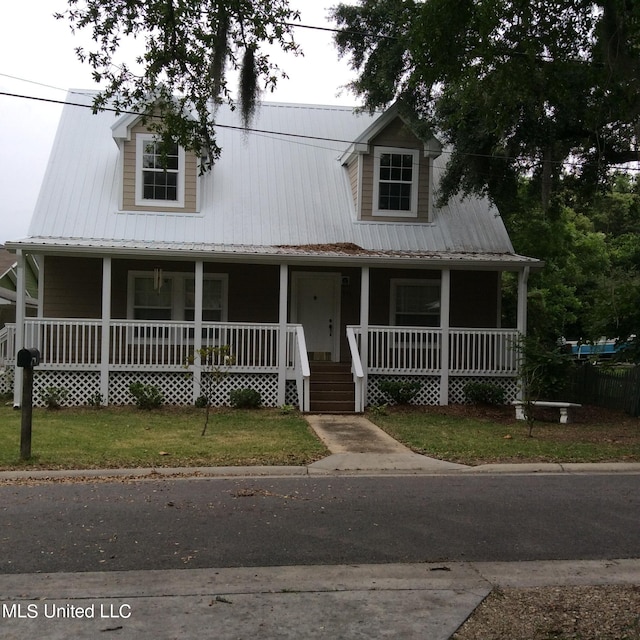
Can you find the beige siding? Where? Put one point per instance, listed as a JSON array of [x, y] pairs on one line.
[[397, 134], [474, 299], [73, 287], [353, 180], [129, 178]]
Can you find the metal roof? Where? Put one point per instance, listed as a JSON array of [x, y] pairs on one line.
[[269, 194]]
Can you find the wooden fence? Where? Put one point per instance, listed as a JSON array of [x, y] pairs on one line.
[[615, 387]]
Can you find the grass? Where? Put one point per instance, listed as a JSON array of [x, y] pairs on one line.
[[86, 438], [475, 435], [122, 437]]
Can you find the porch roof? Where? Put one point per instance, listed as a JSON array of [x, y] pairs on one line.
[[335, 253]]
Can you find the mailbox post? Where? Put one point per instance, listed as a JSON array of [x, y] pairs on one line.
[[27, 359]]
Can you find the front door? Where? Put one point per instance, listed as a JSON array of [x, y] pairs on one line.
[[316, 306]]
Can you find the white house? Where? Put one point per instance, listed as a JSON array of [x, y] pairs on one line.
[[314, 249]]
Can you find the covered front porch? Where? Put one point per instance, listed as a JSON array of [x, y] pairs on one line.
[[270, 325]]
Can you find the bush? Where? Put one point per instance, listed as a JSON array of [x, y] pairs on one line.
[[484, 393], [399, 391], [147, 396], [95, 400], [245, 398], [202, 402], [53, 397]]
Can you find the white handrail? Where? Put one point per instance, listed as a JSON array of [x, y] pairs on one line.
[[305, 370], [357, 369]]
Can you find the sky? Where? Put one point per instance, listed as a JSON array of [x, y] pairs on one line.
[[37, 59]]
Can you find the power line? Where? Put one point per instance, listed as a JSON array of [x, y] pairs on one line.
[[271, 133]]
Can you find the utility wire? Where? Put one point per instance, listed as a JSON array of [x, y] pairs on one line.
[[267, 132]]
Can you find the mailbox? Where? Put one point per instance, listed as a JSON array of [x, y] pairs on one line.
[[28, 358]]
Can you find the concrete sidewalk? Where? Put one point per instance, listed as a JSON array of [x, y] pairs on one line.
[[366, 601]]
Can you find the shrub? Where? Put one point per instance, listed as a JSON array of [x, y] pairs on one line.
[[245, 398], [202, 401], [484, 393], [53, 397], [147, 396], [399, 391], [95, 400]]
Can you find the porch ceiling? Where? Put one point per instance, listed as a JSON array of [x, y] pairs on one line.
[[337, 253]]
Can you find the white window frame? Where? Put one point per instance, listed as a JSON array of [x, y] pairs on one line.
[[141, 140], [393, 297], [178, 290], [413, 211]]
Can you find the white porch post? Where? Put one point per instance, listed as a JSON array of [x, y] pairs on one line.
[[523, 278], [21, 302], [445, 305], [106, 329], [40, 259], [197, 328], [364, 332], [282, 332]]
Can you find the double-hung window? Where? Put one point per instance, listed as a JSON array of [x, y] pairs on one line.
[[159, 173], [415, 303], [171, 296], [395, 188]]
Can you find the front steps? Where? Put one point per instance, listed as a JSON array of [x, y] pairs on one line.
[[331, 388]]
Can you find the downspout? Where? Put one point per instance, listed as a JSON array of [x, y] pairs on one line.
[[282, 330], [106, 329], [523, 279], [364, 335], [197, 328], [445, 306]]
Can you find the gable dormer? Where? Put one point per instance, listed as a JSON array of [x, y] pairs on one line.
[[151, 181], [391, 172]]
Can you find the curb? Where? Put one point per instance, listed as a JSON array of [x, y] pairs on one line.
[[157, 473]]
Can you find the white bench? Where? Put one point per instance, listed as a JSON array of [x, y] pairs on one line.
[[563, 406]]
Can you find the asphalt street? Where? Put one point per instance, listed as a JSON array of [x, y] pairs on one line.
[[224, 522]]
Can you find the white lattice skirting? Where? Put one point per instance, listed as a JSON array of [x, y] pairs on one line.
[[429, 393], [175, 386], [6, 381]]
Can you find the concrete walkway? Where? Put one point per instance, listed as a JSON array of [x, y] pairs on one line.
[[356, 444]]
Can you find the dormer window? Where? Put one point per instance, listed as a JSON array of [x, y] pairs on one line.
[[395, 189], [159, 177]]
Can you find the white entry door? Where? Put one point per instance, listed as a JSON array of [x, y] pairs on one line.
[[316, 306]]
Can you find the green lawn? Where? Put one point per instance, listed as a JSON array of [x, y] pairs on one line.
[[475, 435], [88, 438]]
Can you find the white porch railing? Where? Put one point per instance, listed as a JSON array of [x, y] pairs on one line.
[[7, 345], [418, 350]]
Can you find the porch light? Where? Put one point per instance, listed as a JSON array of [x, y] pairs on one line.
[[157, 278]]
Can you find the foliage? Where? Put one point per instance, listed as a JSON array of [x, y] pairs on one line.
[[544, 373], [95, 400], [286, 409], [186, 52], [483, 393], [146, 396], [245, 398], [400, 391], [517, 87], [53, 397]]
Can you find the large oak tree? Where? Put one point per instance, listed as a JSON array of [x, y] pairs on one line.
[[517, 87]]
